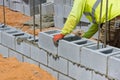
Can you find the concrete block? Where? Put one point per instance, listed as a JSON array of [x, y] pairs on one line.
[[98, 77], [47, 8], [92, 57], [58, 21], [84, 19], [63, 77], [59, 2], [113, 67], [70, 47], [26, 59], [79, 73], [4, 51], [16, 55], [59, 10], [67, 10], [23, 47], [9, 36], [38, 55], [72, 1], [68, 2], [46, 41], [49, 70], [58, 64], [1, 2]]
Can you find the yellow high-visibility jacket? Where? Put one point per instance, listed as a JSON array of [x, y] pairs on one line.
[[91, 8]]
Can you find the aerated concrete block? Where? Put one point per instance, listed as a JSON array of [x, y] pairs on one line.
[[16, 55], [67, 10], [97, 59], [98, 77], [79, 73], [26, 59], [114, 67], [49, 70], [70, 47], [4, 51], [58, 64], [63, 77], [38, 54], [46, 41]]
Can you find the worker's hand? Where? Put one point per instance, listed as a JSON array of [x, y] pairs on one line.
[[57, 37], [78, 32]]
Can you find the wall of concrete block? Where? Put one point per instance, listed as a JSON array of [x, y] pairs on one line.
[[65, 62]]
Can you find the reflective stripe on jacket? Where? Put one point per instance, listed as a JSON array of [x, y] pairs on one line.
[[91, 8]]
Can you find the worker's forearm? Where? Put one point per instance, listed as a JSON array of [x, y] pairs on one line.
[[69, 25], [92, 30]]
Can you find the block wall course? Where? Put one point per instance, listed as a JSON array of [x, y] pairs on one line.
[[38, 54], [91, 58], [4, 51]]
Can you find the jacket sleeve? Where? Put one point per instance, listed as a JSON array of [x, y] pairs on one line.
[[92, 30], [74, 16]]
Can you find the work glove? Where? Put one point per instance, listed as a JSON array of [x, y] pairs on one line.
[[56, 38]]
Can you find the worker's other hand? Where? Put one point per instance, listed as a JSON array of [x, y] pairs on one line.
[[57, 37], [78, 32]]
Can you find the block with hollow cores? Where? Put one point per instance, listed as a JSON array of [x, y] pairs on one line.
[[47, 8], [59, 10], [46, 41], [98, 77], [8, 37], [58, 21], [60, 2], [68, 2], [79, 73], [58, 64], [16, 55], [4, 51], [67, 10], [113, 67], [38, 54], [64, 77], [70, 47], [97, 59], [23, 47], [29, 60], [49, 70]]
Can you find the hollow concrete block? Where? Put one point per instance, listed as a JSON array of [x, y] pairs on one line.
[[49, 70], [79, 73], [4, 51], [16, 55], [63, 77], [113, 67], [58, 64], [26, 59], [67, 10], [97, 59], [38, 54], [70, 47], [46, 41], [98, 77]]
